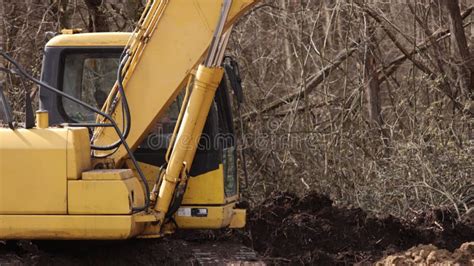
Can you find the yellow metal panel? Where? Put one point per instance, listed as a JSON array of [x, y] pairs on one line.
[[108, 174], [33, 171], [78, 153], [45, 227], [206, 189], [150, 171], [238, 219], [111, 197], [145, 218], [111, 39]]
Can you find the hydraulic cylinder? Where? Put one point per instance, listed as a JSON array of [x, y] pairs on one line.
[[204, 89]]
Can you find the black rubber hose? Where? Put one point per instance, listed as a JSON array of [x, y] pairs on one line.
[[126, 113], [23, 73]]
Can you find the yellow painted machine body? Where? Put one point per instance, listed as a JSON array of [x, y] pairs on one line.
[[49, 191], [36, 166], [49, 188]]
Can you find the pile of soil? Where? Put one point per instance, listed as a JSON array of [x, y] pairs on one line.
[[311, 230], [431, 255]]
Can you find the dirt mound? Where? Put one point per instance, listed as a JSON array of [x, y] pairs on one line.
[[312, 230], [431, 255]]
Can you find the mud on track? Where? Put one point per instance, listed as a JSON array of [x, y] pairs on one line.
[[284, 229]]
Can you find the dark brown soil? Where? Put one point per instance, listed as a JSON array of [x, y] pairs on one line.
[[311, 230], [136, 252], [284, 229]]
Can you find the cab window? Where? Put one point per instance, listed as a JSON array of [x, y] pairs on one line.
[[88, 77]]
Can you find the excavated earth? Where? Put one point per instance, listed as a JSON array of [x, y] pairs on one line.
[[284, 229], [311, 230], [431, 255]]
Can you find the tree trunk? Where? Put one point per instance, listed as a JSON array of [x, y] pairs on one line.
[[2, 37], [462, 54], [286, 37], [97, 16], [132, 9], [372, 83], [64, 14]]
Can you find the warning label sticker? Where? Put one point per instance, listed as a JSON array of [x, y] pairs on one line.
[[193, 212], [184, 212]]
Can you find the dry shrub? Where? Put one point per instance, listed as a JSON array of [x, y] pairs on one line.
[[419, 156]]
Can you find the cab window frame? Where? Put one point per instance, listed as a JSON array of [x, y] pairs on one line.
[[62, 68]]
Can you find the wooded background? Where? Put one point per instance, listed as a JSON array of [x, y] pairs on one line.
[[370, 102]]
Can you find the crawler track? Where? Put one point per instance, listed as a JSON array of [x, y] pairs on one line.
[[139, 252]]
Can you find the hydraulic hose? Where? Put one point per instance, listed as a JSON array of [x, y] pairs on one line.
[[127, 123]]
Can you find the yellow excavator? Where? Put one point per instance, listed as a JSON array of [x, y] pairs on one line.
[[134, 137]]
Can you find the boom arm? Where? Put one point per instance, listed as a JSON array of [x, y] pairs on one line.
[[171, 40]]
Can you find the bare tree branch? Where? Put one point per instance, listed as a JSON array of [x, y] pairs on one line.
[[311, 83]]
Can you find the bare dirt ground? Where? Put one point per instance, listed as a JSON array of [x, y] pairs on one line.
[[311, 230], [136, 252], [284, 229]]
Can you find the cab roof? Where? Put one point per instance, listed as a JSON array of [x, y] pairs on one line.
[[103, 39]]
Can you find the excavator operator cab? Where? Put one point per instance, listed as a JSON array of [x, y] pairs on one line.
[[85, 66]]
